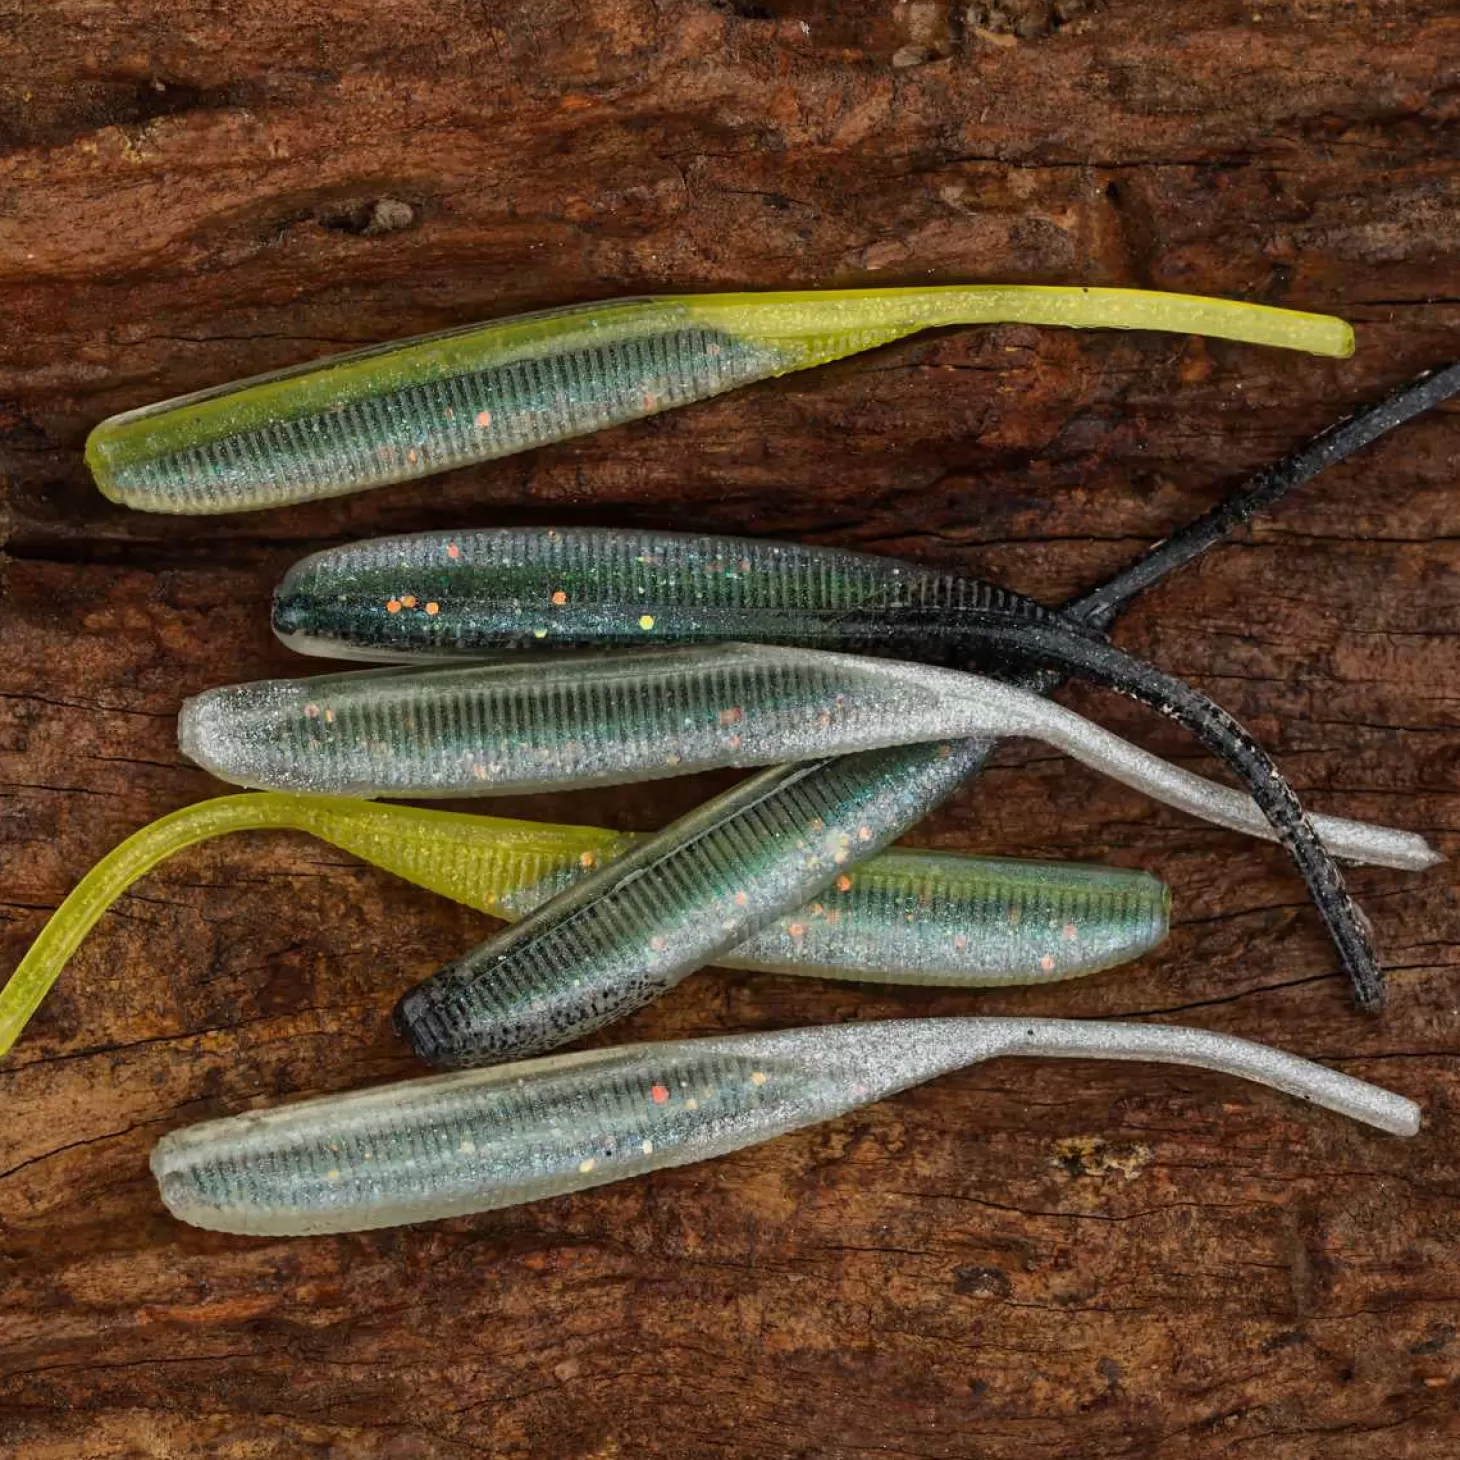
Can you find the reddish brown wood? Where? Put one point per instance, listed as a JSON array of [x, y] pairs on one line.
[[1023, 1262]]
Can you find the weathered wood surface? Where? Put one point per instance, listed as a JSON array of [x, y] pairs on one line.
[[1021, 1261]]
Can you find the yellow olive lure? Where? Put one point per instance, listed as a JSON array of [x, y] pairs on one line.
[[901, 917], [394, 412]]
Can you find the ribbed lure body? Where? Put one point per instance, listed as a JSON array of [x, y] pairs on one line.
[[570, 720], [441, 594], [580, 720], [902, 917], [629, 931], [471, 1142], [393, 412]]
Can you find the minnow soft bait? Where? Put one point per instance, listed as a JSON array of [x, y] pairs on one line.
[[470, 1142], [902, 917], [407, 409]]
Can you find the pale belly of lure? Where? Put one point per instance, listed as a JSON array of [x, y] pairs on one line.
[[474, 1141], [901, 917], [409, 408]]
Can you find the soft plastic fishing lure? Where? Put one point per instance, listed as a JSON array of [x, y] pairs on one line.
[[744, 703], [904, 916], [455, 1144], [760, 829], [402, 410], [580, 720]]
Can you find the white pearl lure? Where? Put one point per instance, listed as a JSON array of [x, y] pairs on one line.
[[590, 719], [476, 1140]]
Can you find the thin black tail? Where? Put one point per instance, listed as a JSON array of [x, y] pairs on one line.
[[1098, 608]]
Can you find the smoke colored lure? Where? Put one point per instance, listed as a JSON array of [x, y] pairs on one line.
[[580, 720], [763, 825], [903, 917], [398, 411], [470, 1142]]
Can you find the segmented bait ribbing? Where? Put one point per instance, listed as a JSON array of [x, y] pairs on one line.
[[470, 1142], [406, 409], [902, 917], [580, 720], [618, 939], [475, 592]]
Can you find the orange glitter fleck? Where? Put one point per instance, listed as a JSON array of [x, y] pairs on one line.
[[393, 606], [560, 598], [844, 883], [413, 456], [433, 609], [1047, 963], [732, 716], [659, 1094], [484, 419], [586, 859], [409, 601], [797, 930], [452, 550], [741, 899]]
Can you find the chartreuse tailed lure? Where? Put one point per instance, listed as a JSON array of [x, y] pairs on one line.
[[469, 1142], [902, 917], [397, 411]]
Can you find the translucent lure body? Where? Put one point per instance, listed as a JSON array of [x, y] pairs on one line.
[[580, 720], [611, 719], [903, 917], [406, 409], [471, 1142]]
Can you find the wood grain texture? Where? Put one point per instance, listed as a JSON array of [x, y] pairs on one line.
[[1021, 1262]]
